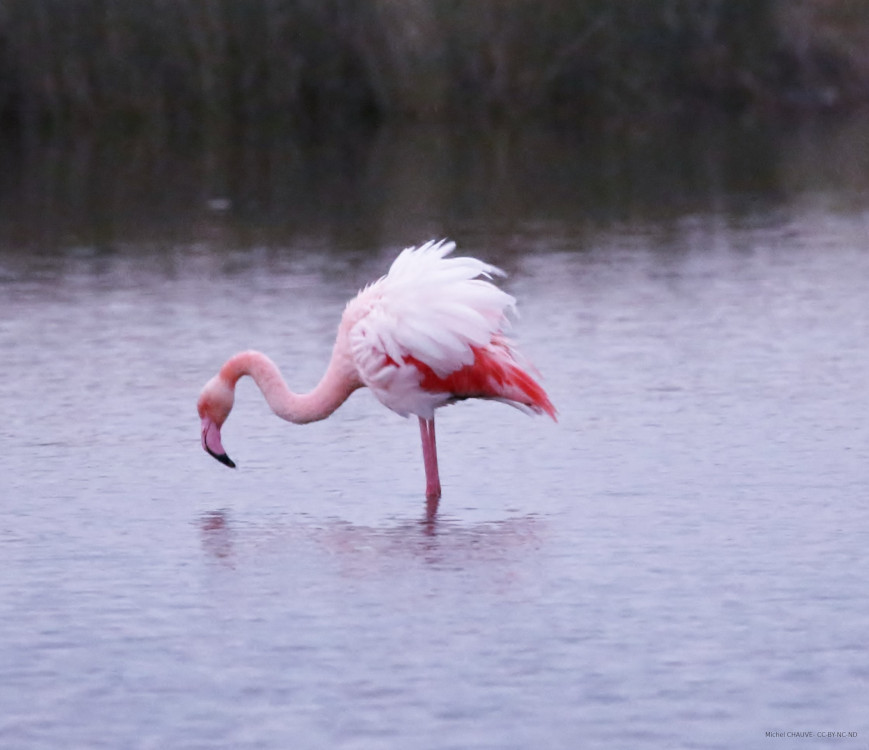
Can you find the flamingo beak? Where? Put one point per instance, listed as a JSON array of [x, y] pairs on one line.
[[211, 442]]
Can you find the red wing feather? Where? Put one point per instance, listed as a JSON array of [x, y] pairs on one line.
[[493, 374]]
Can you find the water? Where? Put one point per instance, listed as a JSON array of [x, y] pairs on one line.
[[679, 562]]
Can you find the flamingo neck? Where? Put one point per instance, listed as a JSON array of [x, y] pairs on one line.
[[337, 383]]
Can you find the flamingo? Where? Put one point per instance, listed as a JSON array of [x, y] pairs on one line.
[[431, 332]]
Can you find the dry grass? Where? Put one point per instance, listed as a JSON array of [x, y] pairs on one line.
[[193, 65]]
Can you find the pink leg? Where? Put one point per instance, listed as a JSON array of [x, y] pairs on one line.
[[430, 458]]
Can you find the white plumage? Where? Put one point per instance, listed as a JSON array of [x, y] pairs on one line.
[[430, 308]]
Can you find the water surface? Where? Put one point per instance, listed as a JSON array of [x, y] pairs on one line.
[[680, 561]]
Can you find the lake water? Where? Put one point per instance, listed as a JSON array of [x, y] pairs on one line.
[[680, 561]]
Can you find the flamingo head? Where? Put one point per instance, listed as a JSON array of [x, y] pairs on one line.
[[215, 403]]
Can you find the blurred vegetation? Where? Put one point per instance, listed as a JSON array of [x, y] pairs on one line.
[[182, 66]]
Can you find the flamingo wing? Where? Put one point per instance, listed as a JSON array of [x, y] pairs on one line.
[[496, 373], [432, 331]]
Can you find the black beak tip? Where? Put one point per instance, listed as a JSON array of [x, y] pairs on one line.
[[223, 458]]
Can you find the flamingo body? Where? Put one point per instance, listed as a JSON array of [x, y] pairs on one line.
[[430, 332]]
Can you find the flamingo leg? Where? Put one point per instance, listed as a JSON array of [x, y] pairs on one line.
[[430, 459]]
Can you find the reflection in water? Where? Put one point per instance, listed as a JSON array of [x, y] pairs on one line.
[[216, 535], [359, 549], [431, 512], [101, 194]]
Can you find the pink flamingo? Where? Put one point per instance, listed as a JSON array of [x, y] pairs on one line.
[[429, 333]]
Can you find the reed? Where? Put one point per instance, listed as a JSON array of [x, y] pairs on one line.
[[190, 65]]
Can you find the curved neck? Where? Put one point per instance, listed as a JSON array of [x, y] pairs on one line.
[[337, 383]]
